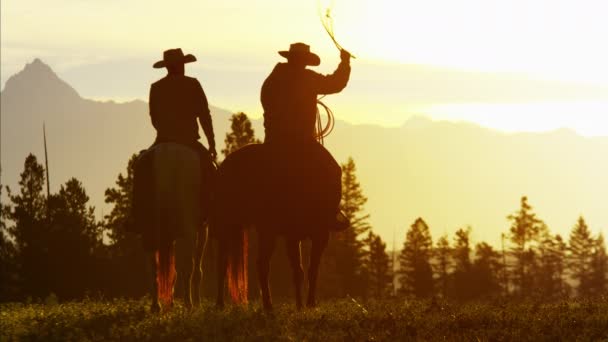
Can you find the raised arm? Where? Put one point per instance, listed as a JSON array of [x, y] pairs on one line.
[[334, 83], [204, 117]]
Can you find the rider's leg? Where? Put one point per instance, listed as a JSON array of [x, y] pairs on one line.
[[330, 191]]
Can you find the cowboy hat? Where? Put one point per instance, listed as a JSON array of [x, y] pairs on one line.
[[174, 56], [301, 51]]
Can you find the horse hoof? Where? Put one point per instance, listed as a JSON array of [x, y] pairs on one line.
[[155, 307]]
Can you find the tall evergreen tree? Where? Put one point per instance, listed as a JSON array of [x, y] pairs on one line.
[[549, 266], [29, 229], [525, 230], [377, 267], [345, 251], [443, 264], [8, 261], [581, 247], [599, 267], [73, 243], [486, 271], [462, 265], [241, 133], [415, 273]]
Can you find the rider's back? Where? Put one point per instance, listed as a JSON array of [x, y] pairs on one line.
[[289, 97], [175, 104]]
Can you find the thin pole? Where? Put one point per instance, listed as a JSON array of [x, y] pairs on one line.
[[504, 264], [393, 265], [46, 163]]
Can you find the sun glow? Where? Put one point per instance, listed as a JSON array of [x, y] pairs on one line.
[[551, 39]]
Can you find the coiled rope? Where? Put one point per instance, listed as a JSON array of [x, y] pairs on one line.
[[322, 132]]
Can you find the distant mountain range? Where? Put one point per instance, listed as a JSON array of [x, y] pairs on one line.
[[451, 174]]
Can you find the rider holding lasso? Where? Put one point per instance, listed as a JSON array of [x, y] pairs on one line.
[[289, 98]]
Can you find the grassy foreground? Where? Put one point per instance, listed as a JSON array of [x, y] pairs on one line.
[[345, 320]]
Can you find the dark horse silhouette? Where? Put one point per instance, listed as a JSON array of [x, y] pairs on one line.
[[252, 189]]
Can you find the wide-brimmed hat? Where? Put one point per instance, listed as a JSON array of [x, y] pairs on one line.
[[174, 57], [302, 52]]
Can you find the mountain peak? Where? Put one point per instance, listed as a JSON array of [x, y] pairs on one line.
[[37, 66], [37, 82]]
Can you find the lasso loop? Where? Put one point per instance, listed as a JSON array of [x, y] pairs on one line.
[[322, 132]]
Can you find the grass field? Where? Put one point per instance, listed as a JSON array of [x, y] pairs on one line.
[[344, 320]]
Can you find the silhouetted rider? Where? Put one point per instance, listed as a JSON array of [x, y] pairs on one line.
[[289, 98], [289, 94], [176, 102]]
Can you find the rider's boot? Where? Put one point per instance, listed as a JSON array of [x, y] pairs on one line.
[[339, 222]]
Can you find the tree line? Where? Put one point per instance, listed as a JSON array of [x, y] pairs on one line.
[[53, 245]]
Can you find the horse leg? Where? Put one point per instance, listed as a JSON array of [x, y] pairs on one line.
[[155, 306], [318, 246], [222, 267], [295, 260], [197, 266], [185, 252], [267, 244]]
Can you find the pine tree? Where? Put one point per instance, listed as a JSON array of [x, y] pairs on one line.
[[29, 229], [117, 222], [581, 256], [525, 230], [549, 268], [241, 133], [443, 264], [486, 271], [599, 267], [377, 266], [462, 265], [345, 251], [415, 273], [560, 253], [74, 242], [8, 262]]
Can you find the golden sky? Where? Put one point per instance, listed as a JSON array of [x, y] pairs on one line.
[[512, 65]]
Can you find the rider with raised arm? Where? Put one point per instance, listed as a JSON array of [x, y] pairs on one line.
[[289, 98]]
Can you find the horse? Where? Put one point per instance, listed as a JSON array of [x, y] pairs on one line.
[[168, 198], [253, 189]]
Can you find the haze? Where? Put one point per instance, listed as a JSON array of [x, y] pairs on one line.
[[513, 66], [516, 66]]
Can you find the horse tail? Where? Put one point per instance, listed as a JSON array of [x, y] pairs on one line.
[[165, 273], [238, 246]]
